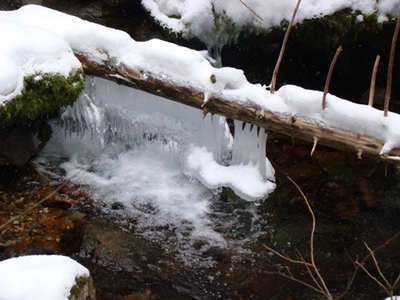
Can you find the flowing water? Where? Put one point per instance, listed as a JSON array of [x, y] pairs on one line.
[[161, 228]]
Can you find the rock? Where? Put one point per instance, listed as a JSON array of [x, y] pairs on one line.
[[83, 289], [115, 249], [19, 144]]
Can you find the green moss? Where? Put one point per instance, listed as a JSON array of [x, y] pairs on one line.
[[343, 27], [41, 95], [76, 289]]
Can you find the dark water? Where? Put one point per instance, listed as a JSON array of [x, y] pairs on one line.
[[349, 211]]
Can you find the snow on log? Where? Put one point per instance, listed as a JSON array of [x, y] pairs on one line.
[[292, 125], [186, 76]]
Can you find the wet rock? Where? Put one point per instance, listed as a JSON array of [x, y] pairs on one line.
[[345, 167], [83, 289], [18, 145], [116, 249], [366, 188], [117, 206]]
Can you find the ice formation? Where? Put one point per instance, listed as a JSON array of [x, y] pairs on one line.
[[120, 118], [158, 161]]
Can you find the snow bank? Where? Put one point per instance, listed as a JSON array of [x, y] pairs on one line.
[[39, 277], [27, 50], [200, 18]]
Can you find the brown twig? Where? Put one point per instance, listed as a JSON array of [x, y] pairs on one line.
[[252, 10], [373, 277], [328, 78], [312, 269], [359, 264], [390, 69], [287, 258], [319, 283], [385, 285], [285, 39], [291, 277], [314, 266], [373, 81]]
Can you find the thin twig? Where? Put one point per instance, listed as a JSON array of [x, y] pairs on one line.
[[373, 277], [287, 258], [373, 81], [311, 273], [252, 10], [285, 39], [328, 78], [358, 265], [299, 281], [390, 69], [377, 265], [312, 240]]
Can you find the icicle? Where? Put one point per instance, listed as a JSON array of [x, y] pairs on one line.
[[215, 53], [123, 118]]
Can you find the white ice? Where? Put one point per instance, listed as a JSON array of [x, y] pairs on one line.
[[120, 119], [39, 277], [145, 153]]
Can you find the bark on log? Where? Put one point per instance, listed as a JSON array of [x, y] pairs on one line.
[[296, 127]]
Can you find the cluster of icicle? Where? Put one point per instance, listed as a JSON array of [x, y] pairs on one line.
[[123, 118]]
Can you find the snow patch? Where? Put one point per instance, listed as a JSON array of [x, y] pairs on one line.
[[39, 277]]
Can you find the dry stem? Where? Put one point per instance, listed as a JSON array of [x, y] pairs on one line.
[[385, 285], [328, 78], [319, 283], [252, 10], [312, 269], [390, 69], [285, 39], [373, 80]]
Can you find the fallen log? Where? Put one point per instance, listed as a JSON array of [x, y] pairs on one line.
[[296, 127]]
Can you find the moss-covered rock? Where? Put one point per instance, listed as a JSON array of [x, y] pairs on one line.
[[343, 27], [83, 289], [41, 95]]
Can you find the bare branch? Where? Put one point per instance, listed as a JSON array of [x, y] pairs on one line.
[[390, 69], [312, 240], [285, 39], [328, 78], [377, 265], [249, 8], [372, 277], [373, 81], [287, 258], [299, 281]]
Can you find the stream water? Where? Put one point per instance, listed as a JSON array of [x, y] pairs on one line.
[[159, 232]]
